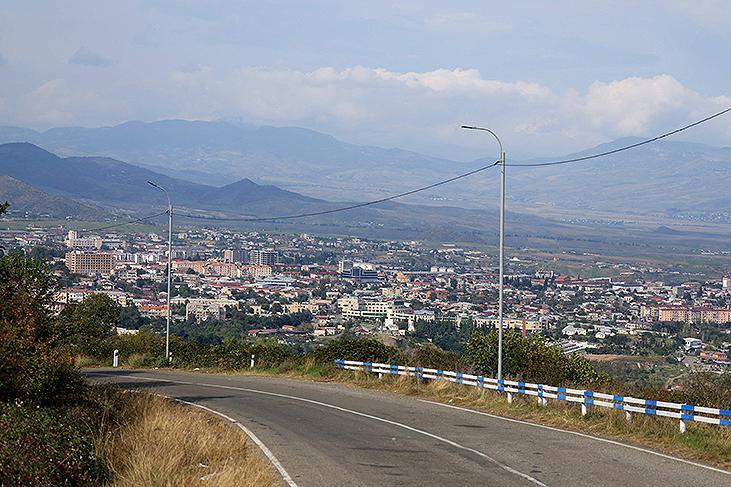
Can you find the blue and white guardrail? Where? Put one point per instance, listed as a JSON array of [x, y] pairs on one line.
[[682, 412]]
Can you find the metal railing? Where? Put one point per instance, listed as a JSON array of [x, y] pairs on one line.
[[681, 412]]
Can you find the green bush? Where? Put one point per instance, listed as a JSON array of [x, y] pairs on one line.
[[431, 356], [232, 354], [705, 389], [142, 343], [361, 349], [531, 359], [56, 445]]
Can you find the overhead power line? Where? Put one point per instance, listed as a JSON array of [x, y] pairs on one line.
[[430, 186], [626, 147], [467, 174], [136, 220], [344, 208]]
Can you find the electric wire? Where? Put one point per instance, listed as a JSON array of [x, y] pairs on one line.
[[430, 186], [626, 147], [344, 208], [136, 220]]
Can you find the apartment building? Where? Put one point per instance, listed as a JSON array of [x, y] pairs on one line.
[[688, 314], [89, 263], [517, 324], [354, 307], [264, 257]]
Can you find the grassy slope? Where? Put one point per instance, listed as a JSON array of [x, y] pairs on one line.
[[164, 443]]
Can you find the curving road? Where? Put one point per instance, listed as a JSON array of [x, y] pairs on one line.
[[332, 435]]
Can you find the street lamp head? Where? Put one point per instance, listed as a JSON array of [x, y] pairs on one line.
[[153, 184], [484, 129]]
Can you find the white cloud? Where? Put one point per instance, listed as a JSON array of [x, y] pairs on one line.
[[56, 102], [416, 110], [376, 105]]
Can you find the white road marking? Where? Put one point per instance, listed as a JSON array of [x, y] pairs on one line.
[[357, 413], [584, 435], [285, 476]]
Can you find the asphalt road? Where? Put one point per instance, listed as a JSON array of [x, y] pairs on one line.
[[334, 435]]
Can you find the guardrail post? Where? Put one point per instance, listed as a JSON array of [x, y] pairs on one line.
[[584, 410], [115, 360], [683, 426], [251, 362], [510, 398]]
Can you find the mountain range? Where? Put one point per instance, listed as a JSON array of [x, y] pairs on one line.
[[46, 184], [664, 180]]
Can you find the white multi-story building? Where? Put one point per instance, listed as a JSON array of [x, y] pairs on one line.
[[354, 307], [234, 256], [89, 243], [264, 257], [517, 324]]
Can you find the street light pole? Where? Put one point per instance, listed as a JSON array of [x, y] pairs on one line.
[[170, 268], [502, 248]]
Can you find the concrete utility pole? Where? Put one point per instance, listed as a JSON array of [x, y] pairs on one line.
[[170, 268], [502, 247]]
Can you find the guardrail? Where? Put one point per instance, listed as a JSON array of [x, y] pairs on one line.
[[682, 412]]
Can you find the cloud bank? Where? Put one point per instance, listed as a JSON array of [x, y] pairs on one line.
[[418, 110]]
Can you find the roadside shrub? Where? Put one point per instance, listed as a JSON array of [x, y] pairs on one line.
[[531, 359], [362, 349], [232, 354], [137, 360], [705, 389], [142, 343], [82, 361], [57, 445], [431, 356]]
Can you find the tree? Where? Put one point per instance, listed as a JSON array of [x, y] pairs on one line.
[[130, 317], [35, 364], [96, 316], [529, 358]]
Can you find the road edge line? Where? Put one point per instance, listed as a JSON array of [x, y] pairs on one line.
[[266, 451], [499, 464], [584, 435]]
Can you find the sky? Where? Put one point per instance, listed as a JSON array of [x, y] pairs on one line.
[[550, 77]]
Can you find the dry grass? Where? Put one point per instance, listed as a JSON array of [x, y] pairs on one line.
[[81, 361], [165, 444], [136, 360]]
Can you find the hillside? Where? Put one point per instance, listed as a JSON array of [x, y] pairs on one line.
[[217, 152], [117, 184], [666, 180], [26, 199], [122, 188]]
